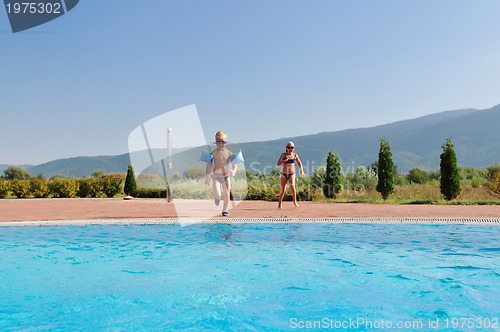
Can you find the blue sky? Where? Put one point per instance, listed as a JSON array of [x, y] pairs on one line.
[[260, 70]]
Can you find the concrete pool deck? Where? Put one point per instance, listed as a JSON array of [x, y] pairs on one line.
[[117, 210]]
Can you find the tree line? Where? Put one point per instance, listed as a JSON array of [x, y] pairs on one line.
[[386, 171], [328, 181]]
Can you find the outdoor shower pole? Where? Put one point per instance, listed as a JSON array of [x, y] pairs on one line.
[[169, 164]]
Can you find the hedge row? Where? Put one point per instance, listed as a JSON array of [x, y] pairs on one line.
[[106, 186], [259, 187]]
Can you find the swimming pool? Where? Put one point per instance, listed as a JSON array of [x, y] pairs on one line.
[[249, 277]]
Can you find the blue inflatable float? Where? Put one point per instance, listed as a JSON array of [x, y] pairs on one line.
[[207, 157], [237, 157]]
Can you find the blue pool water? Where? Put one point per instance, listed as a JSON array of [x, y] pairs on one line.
[[249, 277]]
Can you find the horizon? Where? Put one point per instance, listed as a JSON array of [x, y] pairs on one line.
[[79, 85], [237, 143]]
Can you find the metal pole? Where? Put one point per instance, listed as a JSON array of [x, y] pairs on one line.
[[169, 164]]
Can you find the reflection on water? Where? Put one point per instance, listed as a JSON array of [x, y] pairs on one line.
[[218, 232]]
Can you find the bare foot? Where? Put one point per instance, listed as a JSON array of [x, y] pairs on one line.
[[295, 203]]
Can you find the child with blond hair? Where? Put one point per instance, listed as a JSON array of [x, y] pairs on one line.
[[221, 160]]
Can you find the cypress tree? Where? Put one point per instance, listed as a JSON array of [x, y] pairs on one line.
[[450, 179], [130, 187], [385, 170], [333, 177]]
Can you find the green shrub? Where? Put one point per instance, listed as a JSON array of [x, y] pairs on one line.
[[400, 179], [470, 173], [89, 187], [318, 176], [418, 175], [111, 184], [151, 193], [495, 182], [195, 172], [16, 173], [477, 182], [64, 188], [98, 174], [39, 188], [21, 188], [254, 195], [265, 187], [4, 188], [492, 169], [361, 180], [306, 192]]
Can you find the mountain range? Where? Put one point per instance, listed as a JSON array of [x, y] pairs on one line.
[[414, 143]]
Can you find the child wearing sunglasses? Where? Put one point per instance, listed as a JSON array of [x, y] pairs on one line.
[[288, 159], [222, 172]]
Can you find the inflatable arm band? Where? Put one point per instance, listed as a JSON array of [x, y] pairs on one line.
[[209, 158], [206, 157], [237, 158]]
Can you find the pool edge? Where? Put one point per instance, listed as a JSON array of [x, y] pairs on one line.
[[188, 221]]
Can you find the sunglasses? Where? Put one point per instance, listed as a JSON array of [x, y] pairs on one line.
[[290, 147], [220, 142]]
